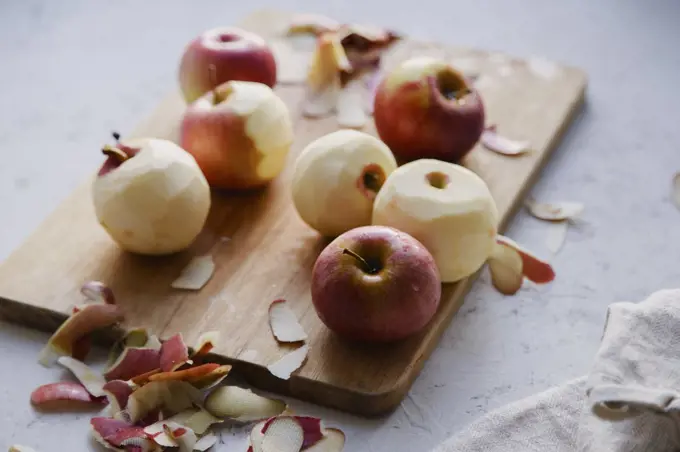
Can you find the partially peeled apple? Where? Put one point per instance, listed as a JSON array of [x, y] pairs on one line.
[[336, 179], [445, 206], [150, 196]]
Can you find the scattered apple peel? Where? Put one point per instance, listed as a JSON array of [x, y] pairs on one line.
[[52, 393], [557, 235], [675, 191], [81, 323], [333, 441], [196, 274], [115, 434], [491, 140], [556, 211], [282, 434], [171, 395], [197, 419], [283, 323], [132, 362], [117, 392], [174, 353], [92, 381], [242, 405], [289, 363], [509, 263], [535, 269], [98, 292], [206, 342], [205, 442]]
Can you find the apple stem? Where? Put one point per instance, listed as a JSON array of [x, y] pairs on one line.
[[363, 261], [114, 152]]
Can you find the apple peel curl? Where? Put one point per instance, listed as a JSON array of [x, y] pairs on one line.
[[117, 392], [93, 381], [115, 434], [510, 263], [557, 235], [491, 140], [172, 395], [283, 323], [80, 324], [555, 211], [242, 405], [289, 363], [189, 374], [197, 419], [206, 342], [196, 274], [132, 363], [53, 393], [283, 434], [174, 353]]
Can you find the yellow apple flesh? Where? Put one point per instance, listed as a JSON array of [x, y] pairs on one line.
[[447, 207]]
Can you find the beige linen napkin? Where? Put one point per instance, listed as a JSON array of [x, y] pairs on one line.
[[630, 401]]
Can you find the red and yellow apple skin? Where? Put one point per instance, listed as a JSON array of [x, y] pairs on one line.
[[425, 109], [222, 54], [240, 135], [394, 299]]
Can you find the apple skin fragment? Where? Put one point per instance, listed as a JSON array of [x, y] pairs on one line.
[[242, 405], [173, 396], [212, 378], [283, 323], [206, 342], [557, 235], [53, 393], [675, 193], [87, 319], [311, 426], [133, 362], [92, 381], [505, 266], [289, 363], [333, 441], [535, 269], [117, 392], [559, 211], [138, 338], [189, 374], [115, 434], [99, 292], [198, 420], [173, 354], [196, 274], [491, 140], [283, 434], [206, 442]]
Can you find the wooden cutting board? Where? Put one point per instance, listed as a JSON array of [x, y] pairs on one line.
[[270, 251]]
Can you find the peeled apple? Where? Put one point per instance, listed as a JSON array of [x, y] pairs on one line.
[[445, 206], [150, 196]]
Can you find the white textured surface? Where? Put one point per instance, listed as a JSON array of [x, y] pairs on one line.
[[74, 70]]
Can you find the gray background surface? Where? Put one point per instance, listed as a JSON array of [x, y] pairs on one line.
[[71, 71]]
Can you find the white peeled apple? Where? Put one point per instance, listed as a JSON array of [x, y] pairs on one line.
[[336, 180], [447, 207], [151, 196]]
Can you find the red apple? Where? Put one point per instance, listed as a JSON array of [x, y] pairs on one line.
[[223, 54], [239, 134], [376, 284], [426, 109]]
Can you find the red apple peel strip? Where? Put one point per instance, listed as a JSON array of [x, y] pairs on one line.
[[92, 381], [289, 363], [61, 391], [283, 323], [535, 269], [114, 434], [132, 363], [206, 342], [174, 353], [212, 378], [98, 292], [117, 392], [192, 373], [88, 319], [242, 405], [556, 211], [505, 266], [491, 140]]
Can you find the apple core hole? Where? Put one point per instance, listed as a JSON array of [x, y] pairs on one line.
[[220, 94], [451, 85], [372, 178], [227, 37], [437, 179]]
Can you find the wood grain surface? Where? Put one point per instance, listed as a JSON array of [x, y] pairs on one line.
[[263, 251]]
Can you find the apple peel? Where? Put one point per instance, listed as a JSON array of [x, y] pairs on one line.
[[132, 363], [556, 211], [351, 104], [197, 419], [311, 426], [557, 235], [284, 325], [505, 266], [120, 435], [117, 392], [212, 378], [196, 274], [675, 192], [333, 441], [61, 391], [289, 363], [282, 434], [205, 442], [206, 342], [80, 324], [189, 374], [137, 338], [242, 405], [491, 140], [535, 269], [173, 354], [174, 396], [99, 292], [92, 381]]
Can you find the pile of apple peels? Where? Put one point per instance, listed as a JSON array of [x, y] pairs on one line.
[[161, 394], [343, 71]]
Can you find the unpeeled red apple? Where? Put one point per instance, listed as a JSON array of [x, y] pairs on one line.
[[151, 196], [336, 179], [447, 207], [239, 134], [222, 54], [425, 109], [375, 283]]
